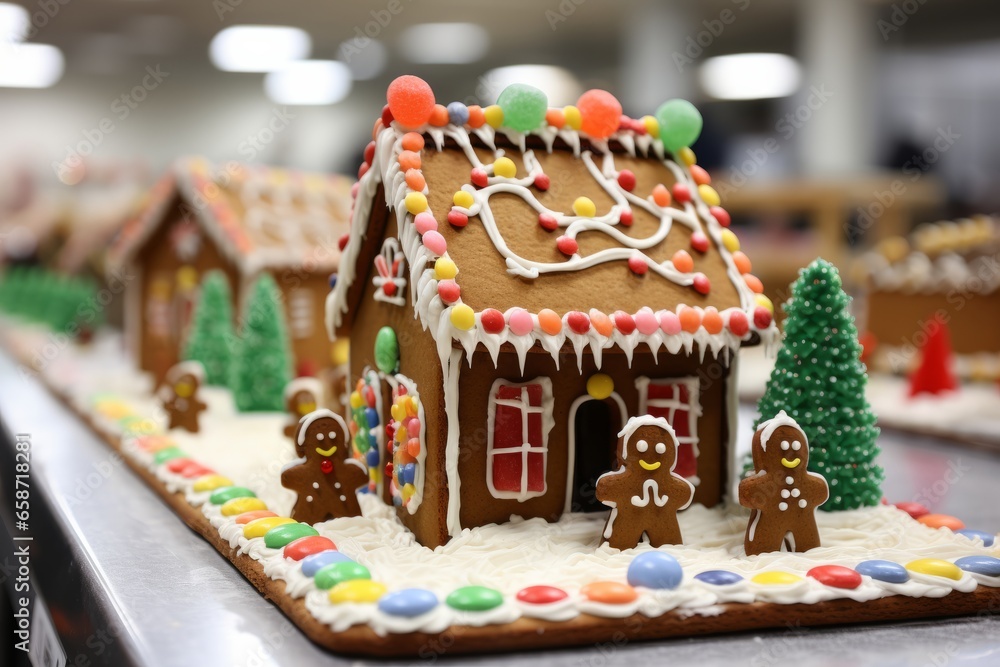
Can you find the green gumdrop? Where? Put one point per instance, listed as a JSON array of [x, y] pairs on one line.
[[386, 350], [523, 107], [474, 598], [680, 124]]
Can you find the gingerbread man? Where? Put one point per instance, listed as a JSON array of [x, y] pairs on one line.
[[179, 394], [302, 396], [644, 494], [326, 478], [782, 494]]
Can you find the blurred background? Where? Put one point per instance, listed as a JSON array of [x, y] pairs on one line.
[[829, 124]]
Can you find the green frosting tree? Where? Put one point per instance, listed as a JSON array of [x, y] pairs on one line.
[[261, 365], [211, 337], [819, 381]]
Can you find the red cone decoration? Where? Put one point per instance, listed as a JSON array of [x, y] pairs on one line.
[[934, 375]]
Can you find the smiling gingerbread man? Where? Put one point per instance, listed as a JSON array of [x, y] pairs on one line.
[[644, 494], [782, 494], [326, 478], [179, 395], [302, 396]]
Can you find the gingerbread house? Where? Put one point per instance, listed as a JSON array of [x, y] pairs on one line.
[[948, 271], [515, 291], [241, 220]]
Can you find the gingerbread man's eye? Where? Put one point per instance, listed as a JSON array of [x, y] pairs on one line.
[[796, 445], [784, 445], [332, 435], [661, 448], [642, 446], [319, 436]]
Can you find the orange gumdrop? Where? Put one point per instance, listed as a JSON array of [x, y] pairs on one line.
[[661, 196], [549, 321], [741, 261], [411, 100], [476, 116], [700, 176], [712, 321], [415, 180], [683, 262], [556, 118], [609, 592], [942, 521], [253, 515], [409, 160], [602, 323], [439, 116], [600, 113], [690, 319], [413, 141], [376, 128], [754, 283]]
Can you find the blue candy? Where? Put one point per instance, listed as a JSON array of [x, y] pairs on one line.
[[987, 538], [313, 564], [985, 565], [883, 570], [372, 457], [655, 569], [719, 577], [409, 473], [333, 280], [458, 113], [408, 602], [371, 415]]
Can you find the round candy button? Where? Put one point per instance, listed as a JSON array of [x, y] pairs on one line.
[[237, 506], [316, 562], [408, 602], [474, 598], [883, 570], [776, 578], [225, 493], [984, 565], [941, 521], [541, 595], [835, 576], [168, 454], [988, 538], [609, 592], [306, 546], [247, 517], [259, 527], [935, 567], [331, 575], [357, 591], [279, 536], [655, 569], [719, 577]]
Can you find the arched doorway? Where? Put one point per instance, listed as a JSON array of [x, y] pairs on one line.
[[593, 443]]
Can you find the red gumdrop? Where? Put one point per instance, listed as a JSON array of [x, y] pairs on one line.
[[307, 546], [449, 291], [179, 464], [638, 265], [492, 321], [720, 214], [386, 116], [682, 193], [934, 375], [761, 317], [600, 113], [738, 323], [701, 283], [626, 217], [915, 510], [326, 465], [626, 179], [541, 594], [835, 576], [363, 169], [567, 245], [388, 469], [479, 178], [578, 322], [699, 242], [624, 322], [389, 288], [411, 100], [457, 219], [542, 182], [548, 222], [342, 241], [370, 152]]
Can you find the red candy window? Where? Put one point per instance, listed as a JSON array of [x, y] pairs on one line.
[[676, 400], [520, 418]]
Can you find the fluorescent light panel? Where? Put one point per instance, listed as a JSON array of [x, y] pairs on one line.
[[30, 66], [750, 76], [14, 23], [444, 43], [560, 85], [309, 82], [258, 48]]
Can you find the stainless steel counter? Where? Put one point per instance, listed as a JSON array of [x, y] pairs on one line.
[[127, 582]]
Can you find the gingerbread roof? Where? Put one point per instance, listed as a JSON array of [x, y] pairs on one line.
[[581, 230], [260, 217]]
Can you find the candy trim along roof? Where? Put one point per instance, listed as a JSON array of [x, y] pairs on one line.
[[393, 159], [302, 213]]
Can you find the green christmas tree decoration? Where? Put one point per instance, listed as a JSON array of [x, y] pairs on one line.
[[211, 337], [261, 366], [819, 380]]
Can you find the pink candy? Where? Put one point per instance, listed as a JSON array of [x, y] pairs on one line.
[[435, 242], [520, 322], [670, 323], [646, 322], [425, 222]]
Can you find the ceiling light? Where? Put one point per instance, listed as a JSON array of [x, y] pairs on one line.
[[750, 76], [31, 66], [367, 61], [258, 48], [14, 23], [558, 84], [444, 43], [309, 82]]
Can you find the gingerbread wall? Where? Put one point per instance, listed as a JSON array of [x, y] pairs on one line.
[[896, 319]]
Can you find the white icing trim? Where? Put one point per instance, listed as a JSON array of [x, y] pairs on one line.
[[571, 431], [522, 405], [390, 254], [308, 419], [188, 367], [450, 369], [768, 428], [309, 384]]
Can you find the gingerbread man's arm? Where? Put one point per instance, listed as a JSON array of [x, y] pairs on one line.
[[611, 485], [753, 492], [355, 474], [817, 490], [680, 492]]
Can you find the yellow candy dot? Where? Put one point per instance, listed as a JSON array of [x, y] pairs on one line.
[[600, 386], [462, 317], [688, 157], [408, 491], [652, 126], [341, 350], [356, 400], [709, 195], [397, 412], [416, 202], [776, 578], [258, 527], [504, 167], [494, 115], [211, 483], [445, 269], [730, 241], [573, 117], [935, 567], [240, 505], [584, 207], [463, 199], [765, 302], [411, 406], [357, 590]]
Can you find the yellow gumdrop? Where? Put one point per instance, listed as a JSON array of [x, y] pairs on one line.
[[397, 412], [211, 483], [341, 350], [709, 195], [408, 491], [411, 407], [573, 117], [494, 115], [776, 578], [584, 207], [730, 241], [463, 317], [258, 527], [688, 157], [445, 269], [652, 126], [401, 433], [765, 302], [600, 386], [935, 567], [416, 202], [236, 506], [356, 400], [463, 199], [504, 167], [357, 590]]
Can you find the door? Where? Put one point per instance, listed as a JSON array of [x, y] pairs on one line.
[[594, 427]]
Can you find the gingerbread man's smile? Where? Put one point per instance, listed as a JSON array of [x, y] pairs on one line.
[[326, 452], [649, 466], [794, 463]]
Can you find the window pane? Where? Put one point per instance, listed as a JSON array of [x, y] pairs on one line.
[[507, 471]]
